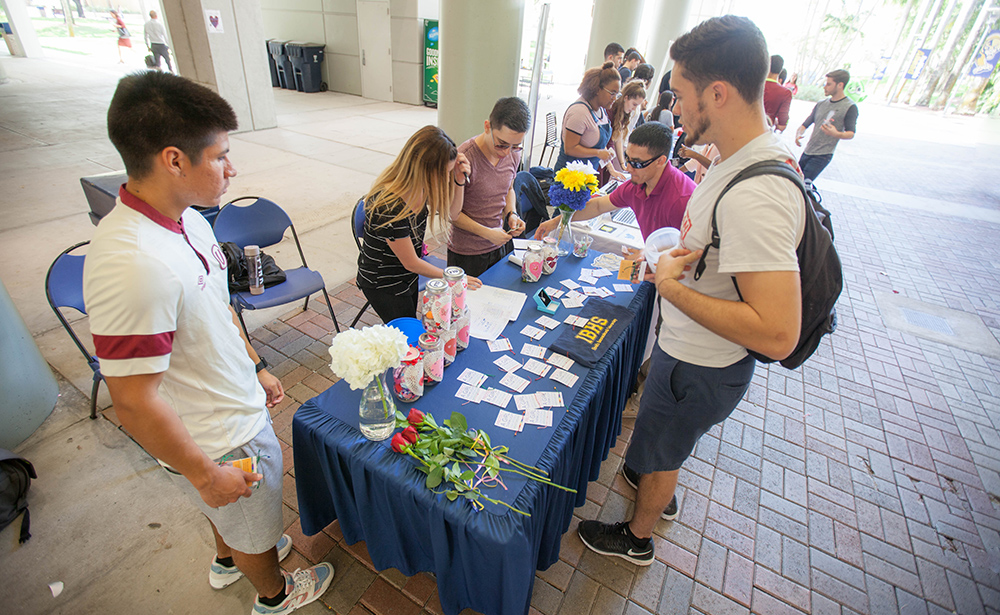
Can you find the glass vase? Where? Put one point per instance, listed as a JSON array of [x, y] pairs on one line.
[[377, 411], [563, 233]]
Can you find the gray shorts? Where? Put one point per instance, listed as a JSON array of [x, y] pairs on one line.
[[254, 524], [680, 403]]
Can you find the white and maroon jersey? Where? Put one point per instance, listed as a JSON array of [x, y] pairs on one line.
[[157, 294]]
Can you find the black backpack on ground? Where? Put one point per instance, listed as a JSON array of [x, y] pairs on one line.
[[239, 273], [820, 271], [15, 478]]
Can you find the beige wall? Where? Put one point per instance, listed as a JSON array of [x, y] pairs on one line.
[[334, 23]]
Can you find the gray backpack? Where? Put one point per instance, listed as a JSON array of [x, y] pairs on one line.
[[15, 478]]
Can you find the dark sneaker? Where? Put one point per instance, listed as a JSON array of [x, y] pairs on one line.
[[632, 478], [608, 539]]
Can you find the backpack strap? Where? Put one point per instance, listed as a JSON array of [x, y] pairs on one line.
[[764, 167]]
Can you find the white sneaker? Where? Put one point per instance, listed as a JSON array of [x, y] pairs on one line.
[[220, 576], [301, 587]]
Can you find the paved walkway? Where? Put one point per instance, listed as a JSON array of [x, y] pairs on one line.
[[866, 482]]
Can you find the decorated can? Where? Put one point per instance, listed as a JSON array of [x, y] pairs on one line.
[[455, 277], [531, 264], [462, 326], [448, 341], [436, 308], [408, 378], [431, 345], [550, 255]]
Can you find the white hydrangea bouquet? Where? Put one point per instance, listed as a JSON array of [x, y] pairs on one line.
[[361, 357], [358, 356]]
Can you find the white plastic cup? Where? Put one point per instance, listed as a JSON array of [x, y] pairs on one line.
[[659, 242]]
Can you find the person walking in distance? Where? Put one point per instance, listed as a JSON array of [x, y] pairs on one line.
[[836, 120]]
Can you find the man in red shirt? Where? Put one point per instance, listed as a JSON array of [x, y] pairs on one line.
[[777, 99]]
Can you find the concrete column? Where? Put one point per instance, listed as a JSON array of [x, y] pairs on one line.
[[479, 61], [615, 21], [20, 25], [232, 62], [669, 22]]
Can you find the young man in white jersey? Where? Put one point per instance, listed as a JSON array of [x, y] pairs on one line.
[[700, 367], [180, 372]]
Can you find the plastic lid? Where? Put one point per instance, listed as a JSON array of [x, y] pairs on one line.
[[251, 250], [411, 328]]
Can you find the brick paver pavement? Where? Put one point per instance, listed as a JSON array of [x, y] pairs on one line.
[[866, 482]]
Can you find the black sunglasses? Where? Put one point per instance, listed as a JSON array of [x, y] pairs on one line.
[[640, 164]]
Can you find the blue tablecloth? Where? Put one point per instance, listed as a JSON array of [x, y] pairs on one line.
[[483, 560]]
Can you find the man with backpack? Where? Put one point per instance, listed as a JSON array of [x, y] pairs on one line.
[[701, 367]]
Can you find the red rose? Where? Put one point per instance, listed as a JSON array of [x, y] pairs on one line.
[[415, 417], [410, 434], [399, 443]]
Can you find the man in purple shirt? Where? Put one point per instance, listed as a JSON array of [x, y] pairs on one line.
[[478, 238], [657, 192]]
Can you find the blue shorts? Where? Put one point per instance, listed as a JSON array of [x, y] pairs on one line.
[[680, 403]]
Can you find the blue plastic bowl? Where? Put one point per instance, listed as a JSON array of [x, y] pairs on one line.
[[412, 328]]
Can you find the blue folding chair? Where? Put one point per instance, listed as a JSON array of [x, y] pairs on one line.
[[263, 223], [358, 226], [64, 289]]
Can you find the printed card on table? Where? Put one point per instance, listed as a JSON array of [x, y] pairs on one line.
[[574, 301], [555, 293], [533, 332], [515, 382], [564, 377], [499, 345], [531, 350], [604, 292], [509, 420], [537, 416], [548, 323], [570, 284], [575, 321], [470, 393], [497, 397], [526, 402], [590, 291], [623, 288], [600, 272], [472, 377], [537, 367], [589, 280], [549, 399], [560, 361], [507, 364]]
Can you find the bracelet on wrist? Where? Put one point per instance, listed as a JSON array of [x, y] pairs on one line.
[[456, 182]]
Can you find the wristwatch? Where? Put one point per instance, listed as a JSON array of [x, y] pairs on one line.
[[262, 365]]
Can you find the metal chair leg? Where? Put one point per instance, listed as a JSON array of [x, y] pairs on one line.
[[330, 307], [239, 314], [93, 396], [360, 313]]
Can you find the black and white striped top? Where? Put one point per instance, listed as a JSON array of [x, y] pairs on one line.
[[378, 267]]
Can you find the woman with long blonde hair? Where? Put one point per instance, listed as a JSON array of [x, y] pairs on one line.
[[621, 113], [425, 183]]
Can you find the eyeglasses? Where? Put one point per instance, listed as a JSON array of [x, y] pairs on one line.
[[639, 164], [616, 93], [503, 147]]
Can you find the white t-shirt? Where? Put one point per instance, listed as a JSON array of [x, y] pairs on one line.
[[760, 224], [158, 299]]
